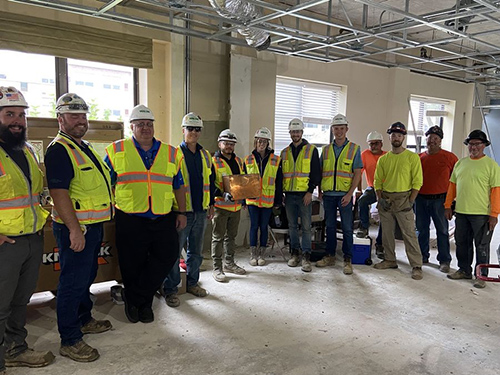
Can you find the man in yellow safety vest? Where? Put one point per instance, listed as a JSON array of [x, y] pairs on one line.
[[21, 241], [80, 187]]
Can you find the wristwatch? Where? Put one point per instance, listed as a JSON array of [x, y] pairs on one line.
[[182, 213]]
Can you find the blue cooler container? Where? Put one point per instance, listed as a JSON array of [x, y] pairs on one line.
[[362, 251]]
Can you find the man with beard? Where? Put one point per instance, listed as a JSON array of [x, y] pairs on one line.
[[475, 185], [80, 187], [398, 178], [437, 165], [147, 178], [21, 240], [227, 211], [301, 175]]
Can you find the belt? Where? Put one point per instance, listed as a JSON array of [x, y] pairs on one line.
[[433, 196]]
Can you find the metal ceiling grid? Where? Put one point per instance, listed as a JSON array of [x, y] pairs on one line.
[[454, 39]]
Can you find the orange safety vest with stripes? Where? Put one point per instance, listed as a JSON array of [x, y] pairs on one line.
[[337, 173], [20, 209], [89, 190], [296, 172], [223, 169], [137, 186], [206, 161], [267, 182]]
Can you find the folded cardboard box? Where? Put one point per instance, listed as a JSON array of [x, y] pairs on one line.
[[243, 186]]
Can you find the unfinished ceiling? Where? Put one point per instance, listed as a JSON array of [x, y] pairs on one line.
[[455, 39]]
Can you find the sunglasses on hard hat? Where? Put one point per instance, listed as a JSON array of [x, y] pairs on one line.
[[193, 129]]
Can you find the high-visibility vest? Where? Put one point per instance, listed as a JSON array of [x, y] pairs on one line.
[[20, 210], [136, 186], [206, 162], [296, 172], [338, 172], [223, 169], [89, 190], [267, 182]]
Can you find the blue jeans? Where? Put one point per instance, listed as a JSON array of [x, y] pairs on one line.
[[331, 204], [78, 271], [192, 235], [425, 209], [364, 202], [259, 219], [295, 208]]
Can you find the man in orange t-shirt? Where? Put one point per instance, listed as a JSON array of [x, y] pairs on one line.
[[437, 165], [370, 158]]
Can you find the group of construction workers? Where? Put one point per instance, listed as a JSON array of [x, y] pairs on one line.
[[162, 196]]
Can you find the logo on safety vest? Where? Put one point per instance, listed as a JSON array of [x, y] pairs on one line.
[[53, 257]]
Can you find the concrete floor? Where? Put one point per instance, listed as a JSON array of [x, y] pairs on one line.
[[279, 320]]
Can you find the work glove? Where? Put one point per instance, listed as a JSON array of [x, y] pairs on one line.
[[384, 204], [276, 211], [228, 197]]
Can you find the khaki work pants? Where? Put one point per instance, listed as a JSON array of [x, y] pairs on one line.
[[225, 228], [402, 212]]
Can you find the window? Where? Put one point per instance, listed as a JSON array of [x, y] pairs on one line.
[[31, 74], [315, 104], [426, 112], [103, 105]]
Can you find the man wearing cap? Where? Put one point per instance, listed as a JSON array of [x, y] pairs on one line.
[[341, 172], [80, 188], [196, 168], [475, 186], [21, 240], [301, 175], [398, 178], [437, 165], [227, 211], [146, 175], [370, 158]]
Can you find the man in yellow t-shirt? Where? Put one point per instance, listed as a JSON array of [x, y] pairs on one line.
[[475, 185], [398, 178]]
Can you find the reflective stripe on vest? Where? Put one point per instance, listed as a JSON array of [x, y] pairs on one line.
[[138, 189], [20, 210], [206, 162], [296, 172], [223, 169], [89, 190], [338, 171], [267, 182]]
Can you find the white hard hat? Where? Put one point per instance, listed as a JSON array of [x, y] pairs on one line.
[[374, 136], [71, 103], [227, 135], [192, 119], [141, 112], [295, 124], [263, 133], [11, 97], [339, 120]]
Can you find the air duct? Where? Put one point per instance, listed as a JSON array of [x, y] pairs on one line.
[[244, 12]]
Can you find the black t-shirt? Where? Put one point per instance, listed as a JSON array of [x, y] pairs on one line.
[[19, 158], [59, 168]]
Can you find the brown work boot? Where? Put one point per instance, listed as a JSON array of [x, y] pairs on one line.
[[327, 260], [347, 267], [416, 273], [458, 275], [253, 256], [294, 260], [197, 291], [386, 264], [219, 275], [479, 283], [172, 300], [29, 358], [232, 267], [306, 262], [96, 326], [261, 260], [444, 267], [80, 352]]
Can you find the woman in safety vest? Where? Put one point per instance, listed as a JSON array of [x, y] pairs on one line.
[[263, 161]]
